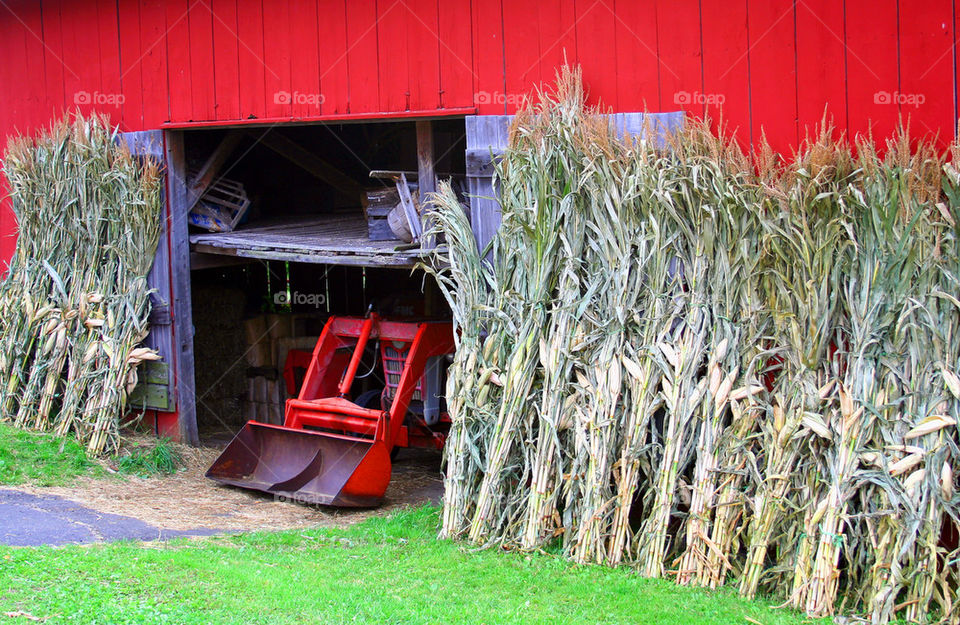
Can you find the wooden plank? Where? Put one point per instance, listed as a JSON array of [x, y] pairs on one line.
[[108, 45], [821, 66], [426, 175], [252, 69], [521, 65], [128, 18], [490, 133], [226, 59], [406, 201], [558, 37], [178, 61], [332, 34], [182, 305], [773, 72], [321, 258], [872, 70], [53, 58], [456, 50], [306, 98], [312, 163], [276, 56], [596, 46], [203, 93], [392, 56], [681, 58], [30, 108], [926, 68], [423, 55], [726, 69], [637, 63], [363, 63], [488, 56], [153, 63], [81, 63]]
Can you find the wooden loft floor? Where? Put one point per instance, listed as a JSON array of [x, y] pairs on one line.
[[336, 239]]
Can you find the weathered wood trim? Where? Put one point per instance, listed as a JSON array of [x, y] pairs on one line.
[[177, 200], [426, 178]]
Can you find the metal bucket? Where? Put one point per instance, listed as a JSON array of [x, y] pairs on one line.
[[305, 466]]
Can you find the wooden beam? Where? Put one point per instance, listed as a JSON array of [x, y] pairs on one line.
[[409, 210], [312, 164], [177, 199], [211, 168], [426, 176]]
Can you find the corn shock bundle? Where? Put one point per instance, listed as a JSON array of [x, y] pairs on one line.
[[712, 368], [74, 305]]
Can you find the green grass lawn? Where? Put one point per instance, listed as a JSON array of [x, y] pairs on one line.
[[41, 459], [384, 570]]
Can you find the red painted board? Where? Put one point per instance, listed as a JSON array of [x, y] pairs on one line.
[[558, 38], [926, 68], [226, 59], [277, 52], [423, 55], [637, 60], [203, 93], [726, 71], [332, 35], [179, 75], [392, 55], [53, 60], [13, 37], [457, 76], [596, 46], [108, 46], [153, 64], [821, 67], [488, 57], [33, 101], [681, 58], [81, 62], [128, 18], [362, 49], [251, 69], [872, 67], [521, 55], [306, 97], [773, 72]]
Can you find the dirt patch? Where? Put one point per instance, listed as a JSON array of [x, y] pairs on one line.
[[187, 500]]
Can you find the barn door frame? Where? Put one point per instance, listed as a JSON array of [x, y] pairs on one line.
[[168, 387], [488, 137]]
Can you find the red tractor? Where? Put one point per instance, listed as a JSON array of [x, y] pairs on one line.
[[333, 448]]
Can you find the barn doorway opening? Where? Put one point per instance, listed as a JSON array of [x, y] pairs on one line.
[[288, 229]]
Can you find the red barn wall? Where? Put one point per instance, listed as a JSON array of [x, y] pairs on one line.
[[773, 65]]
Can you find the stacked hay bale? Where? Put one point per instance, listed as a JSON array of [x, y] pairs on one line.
[[711, 367], [75, 301]]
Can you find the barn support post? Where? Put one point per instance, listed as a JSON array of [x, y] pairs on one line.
[[178, 201], [426, 176]]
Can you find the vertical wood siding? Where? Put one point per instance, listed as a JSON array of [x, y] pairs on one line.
[[766, 66]]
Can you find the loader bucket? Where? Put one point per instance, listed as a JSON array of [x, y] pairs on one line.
[[305, 466]]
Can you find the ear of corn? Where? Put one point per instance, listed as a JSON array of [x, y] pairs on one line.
[[709, 367], [75, 301]]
